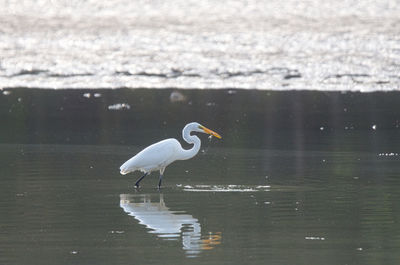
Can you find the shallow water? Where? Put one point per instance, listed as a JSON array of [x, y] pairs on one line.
[[289, 194], [279, 45]]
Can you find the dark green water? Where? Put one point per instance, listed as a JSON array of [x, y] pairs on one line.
[[298, 178]]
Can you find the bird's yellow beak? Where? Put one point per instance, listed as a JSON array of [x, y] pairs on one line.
[[206, 130]]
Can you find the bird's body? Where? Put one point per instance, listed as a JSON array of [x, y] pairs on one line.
[[159, 155], [162, 155]]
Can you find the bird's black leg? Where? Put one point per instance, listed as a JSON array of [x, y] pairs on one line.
[[140, 179], [159, 182]]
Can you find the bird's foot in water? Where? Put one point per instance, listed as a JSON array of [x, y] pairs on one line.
[[139, 180]]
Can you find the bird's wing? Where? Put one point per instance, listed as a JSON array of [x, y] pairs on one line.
[[154, 157]]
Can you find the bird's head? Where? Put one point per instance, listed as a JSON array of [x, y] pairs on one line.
[[197, 127]]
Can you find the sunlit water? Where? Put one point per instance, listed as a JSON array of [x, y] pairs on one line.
[[298, 178], [279, 45]]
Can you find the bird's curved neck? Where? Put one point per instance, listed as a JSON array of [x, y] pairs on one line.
[[191, 139]]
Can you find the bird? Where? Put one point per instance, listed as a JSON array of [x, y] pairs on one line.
[[159, 155]]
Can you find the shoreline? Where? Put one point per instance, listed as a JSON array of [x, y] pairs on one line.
[[322, 90]]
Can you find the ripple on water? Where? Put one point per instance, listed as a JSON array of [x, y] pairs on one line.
[[224, 188]]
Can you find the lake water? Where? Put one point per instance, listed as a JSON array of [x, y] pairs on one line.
[[298, 178], [280, 45]]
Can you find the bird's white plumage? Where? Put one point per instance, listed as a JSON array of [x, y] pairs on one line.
[[155, 157], [159, 155]]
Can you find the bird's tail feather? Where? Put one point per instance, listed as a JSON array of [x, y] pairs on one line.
[[123, 170]]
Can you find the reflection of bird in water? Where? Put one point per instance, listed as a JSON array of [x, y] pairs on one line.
[[159, 155], [169, 224]]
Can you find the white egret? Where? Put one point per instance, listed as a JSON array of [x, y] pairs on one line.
[[159, 155]]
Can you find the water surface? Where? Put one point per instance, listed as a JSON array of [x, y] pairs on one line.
[[273, 191], [279, 45]]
